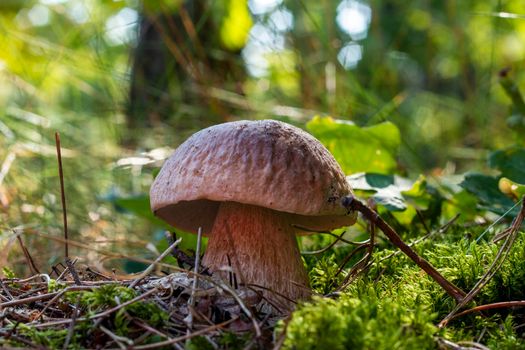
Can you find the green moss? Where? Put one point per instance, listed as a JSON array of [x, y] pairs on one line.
[[503, 337], [395, 305], [54, 338], [106, 296], [55, 286], [365, 323], [464, 263], [111, 295], [323, 275], [226, 340]]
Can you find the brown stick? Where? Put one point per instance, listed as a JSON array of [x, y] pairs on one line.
[[71, 267], [499, 305], [29, 259], [86, 318], [62, 192], [353, 204], [42, 297], [71, 328], [172, 341]]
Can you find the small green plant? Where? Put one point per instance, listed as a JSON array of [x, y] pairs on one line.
[[8, 273], [105, 296], [111, 295], [50, 338], [323, 276], [54, 285]]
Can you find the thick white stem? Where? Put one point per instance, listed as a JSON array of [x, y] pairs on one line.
[[259, 245]]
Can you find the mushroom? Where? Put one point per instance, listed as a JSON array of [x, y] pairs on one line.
[[251, 186]]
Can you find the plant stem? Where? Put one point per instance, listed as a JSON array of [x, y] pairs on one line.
[[62, 194], [353, 204]]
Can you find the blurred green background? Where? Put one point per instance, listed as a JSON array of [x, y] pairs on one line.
[[124, 82]]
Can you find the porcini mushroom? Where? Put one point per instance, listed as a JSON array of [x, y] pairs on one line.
[[251, 186]]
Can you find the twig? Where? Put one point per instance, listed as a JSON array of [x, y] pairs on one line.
[[73, 271], [499, 305], [282, 337], [33, 291], [55, 298], [71, 328], [191, 301], [442, 229], [338, 238], [6, 290], [498, 220], [352, 204], [28, 300], [182, 258], [232, 278], [257, 289], [364, 262], [243, 308], [42, 297], [447, 344], [149, 328], [99, 274], [62, 193], [347, 259], [59, 274], [96, 316], [107, 253], [360, 266], [496, 264], [116, 338], [29, 259], [20, 339], [26, 280], [184, 337], [152, 266], [422, 219]]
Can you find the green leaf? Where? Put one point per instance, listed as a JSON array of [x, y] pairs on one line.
[[462, 202], [418, 194], [486, 189], [399, 195], [511, 163], [419, 198], [387, 189], [370, 149]]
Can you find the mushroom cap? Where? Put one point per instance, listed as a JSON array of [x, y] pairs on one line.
[[265, 163]]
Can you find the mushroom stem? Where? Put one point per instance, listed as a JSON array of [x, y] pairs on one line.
[[260, 247]]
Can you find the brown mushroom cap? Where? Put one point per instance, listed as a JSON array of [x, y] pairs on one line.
[[263, 163]]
